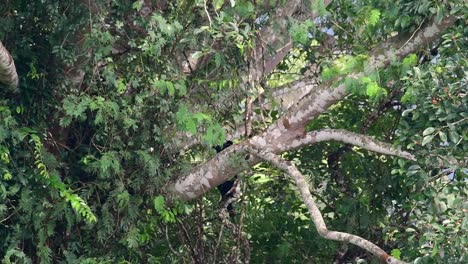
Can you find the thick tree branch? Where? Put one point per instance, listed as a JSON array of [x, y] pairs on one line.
[[401, 46], [8, 75], [355, 139], [321, 98], [210, 174], [315, 213]]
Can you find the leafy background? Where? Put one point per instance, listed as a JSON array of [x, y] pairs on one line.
[[84, 160]]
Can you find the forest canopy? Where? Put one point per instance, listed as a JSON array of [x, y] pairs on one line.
[[212, 131]]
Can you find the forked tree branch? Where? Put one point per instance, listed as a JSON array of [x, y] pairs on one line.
[[215, 170], [290, 127], [315, 213]]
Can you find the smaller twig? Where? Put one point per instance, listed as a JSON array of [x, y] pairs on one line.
[[319, 197], [170, 245], [340, 27], [8, 217], [218, 243], [189, 242], [412, 35], [456, 122], [200, 236], [207, 13], [188, 62], [242, 237]]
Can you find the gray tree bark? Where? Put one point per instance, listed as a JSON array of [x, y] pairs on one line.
[[8, 75]]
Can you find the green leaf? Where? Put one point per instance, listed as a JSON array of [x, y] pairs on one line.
[[159, 204], [427, 139], [185, 119], [373, 89], [170, 88], [200, 29], [214, 135], [352, 85], [121, 86], [218, 4], [245, 9], [441, 207], [410, 60], [373, 18], [218, 59], [137, 5], [201, 117], [428, 131], [443, 136], [300, 31], [329, 73], [396, 253], [435, 249], [181, 87], [439, 227], [191, 126], [7, 176], [109, 163], [319, 7], [454, 137], [407, 63], [197, 55], [123, 198]]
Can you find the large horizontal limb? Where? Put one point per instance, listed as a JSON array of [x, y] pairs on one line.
[[219, 169], [210, 174], [315, 213], [355, 139]]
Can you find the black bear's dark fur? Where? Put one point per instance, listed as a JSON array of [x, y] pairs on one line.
[[227, 188]]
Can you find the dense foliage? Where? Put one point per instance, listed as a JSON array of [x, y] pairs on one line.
[[90, 138]]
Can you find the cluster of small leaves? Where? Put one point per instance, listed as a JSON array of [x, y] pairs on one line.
[[434, 126], [7, 124], [89, 156], [301, 32], [343, 69], [107, 136], [191, 122], [343, 66], [77, 203], [169, 215]]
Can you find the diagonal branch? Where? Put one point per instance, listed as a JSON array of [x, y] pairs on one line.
[[278, 136], [324, 96], [315, 213], [359, 140], [8, 75]]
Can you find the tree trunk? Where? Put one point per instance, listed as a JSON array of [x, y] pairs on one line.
[[8, 75]]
